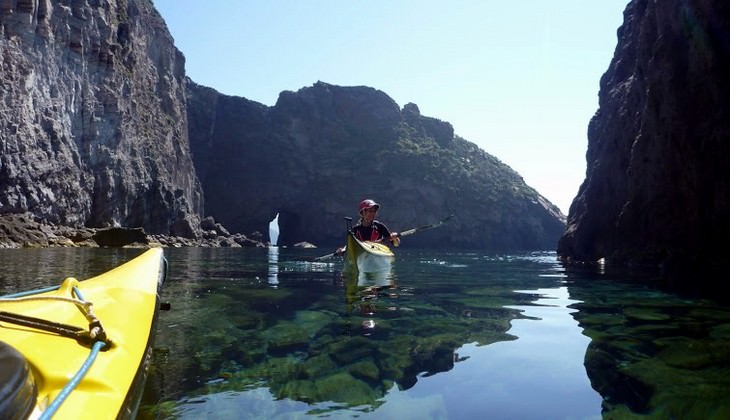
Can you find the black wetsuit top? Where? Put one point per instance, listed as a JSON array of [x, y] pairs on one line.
[[375, 232]]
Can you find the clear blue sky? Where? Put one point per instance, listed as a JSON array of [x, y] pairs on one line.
[[519, 79]]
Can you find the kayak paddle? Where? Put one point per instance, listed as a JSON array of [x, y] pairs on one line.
[[401, 234], [424, 227]]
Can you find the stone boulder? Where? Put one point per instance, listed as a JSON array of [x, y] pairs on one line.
[[119, 237]]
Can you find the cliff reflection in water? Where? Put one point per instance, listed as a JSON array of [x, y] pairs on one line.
[[654, 353]]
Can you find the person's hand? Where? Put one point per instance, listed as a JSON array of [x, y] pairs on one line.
[[340, 251], [395, 239]]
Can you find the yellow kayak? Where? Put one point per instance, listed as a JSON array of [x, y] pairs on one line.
[[81, 351], [367, 256]]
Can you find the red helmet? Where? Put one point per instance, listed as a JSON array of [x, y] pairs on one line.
[[366, 204]]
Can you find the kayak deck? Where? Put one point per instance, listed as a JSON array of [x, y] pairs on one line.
[[367, 256], [125, 301]]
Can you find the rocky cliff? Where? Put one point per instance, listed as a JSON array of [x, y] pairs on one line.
[[93, 117], [97, 124], [318, 151], [657, 187]]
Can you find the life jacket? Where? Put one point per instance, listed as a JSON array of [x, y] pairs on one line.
[[361, 233]]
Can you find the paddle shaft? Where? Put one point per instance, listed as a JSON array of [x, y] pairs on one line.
[[425, 227], [324, 257]]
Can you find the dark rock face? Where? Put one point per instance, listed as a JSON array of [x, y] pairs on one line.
[[93, 127], [315, 154], [657, 189]]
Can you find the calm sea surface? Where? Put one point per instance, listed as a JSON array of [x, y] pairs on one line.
[[266, 333]]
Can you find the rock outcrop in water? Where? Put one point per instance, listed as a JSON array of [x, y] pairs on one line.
[[656, 191], [93, 119], [315, 154]]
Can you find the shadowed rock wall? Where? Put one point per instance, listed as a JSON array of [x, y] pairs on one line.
[[657, 188]]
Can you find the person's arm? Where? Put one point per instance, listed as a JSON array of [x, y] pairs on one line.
[[393, 237]]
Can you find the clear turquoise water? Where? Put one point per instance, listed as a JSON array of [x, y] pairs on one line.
[[264, 333]]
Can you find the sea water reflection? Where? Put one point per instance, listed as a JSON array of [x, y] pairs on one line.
[[274, 335], [264, 333]]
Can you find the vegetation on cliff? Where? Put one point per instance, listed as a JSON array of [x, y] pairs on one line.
[[320, 150]]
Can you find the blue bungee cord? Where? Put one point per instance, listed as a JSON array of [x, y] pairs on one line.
[[31, 292], [73, 383], [76, 379]]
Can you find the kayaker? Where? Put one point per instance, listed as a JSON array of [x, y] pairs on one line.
[[369, 229]]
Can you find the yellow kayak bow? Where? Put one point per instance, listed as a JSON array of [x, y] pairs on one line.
[[81, 351]]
